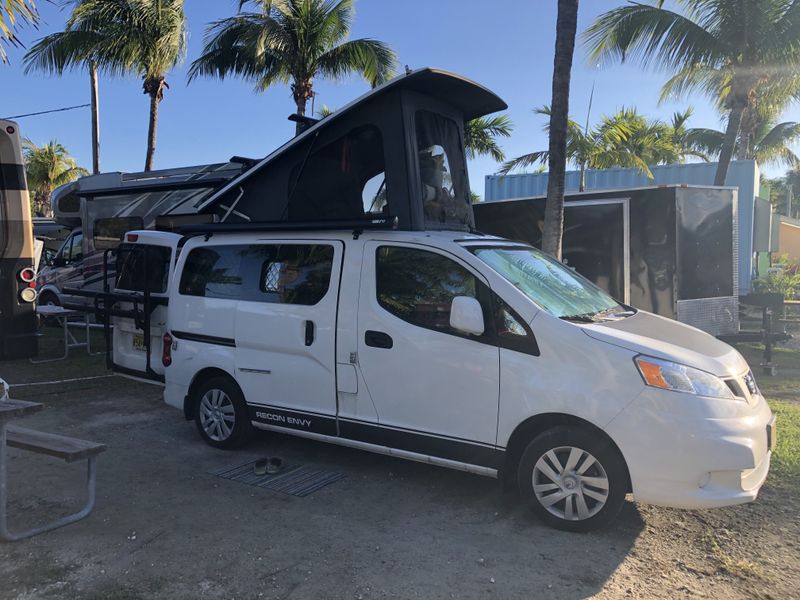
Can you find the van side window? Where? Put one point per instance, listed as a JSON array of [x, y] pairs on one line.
[[294, 274], [213, 272], [73, 248], [419, 286], [511, 331]]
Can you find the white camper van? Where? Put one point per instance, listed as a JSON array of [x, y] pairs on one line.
[[460, 350]]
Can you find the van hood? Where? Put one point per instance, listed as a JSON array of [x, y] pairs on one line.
[[646, 333]]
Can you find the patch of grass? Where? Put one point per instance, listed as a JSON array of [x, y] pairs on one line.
[[785, 467], [737, 567]]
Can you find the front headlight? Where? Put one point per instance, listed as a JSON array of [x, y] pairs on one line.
[[680, 378]]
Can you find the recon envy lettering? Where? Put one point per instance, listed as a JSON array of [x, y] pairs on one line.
[[284, 419]]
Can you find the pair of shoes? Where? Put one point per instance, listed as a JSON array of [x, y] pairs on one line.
[[270, 465]]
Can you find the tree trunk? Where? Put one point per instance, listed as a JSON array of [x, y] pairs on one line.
[[728, 143], [559, 116], [151, 133], [301, 112], [95, 118], [582, 185]]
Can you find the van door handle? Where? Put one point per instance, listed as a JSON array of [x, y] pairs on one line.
[[378, 339], [309, 333]]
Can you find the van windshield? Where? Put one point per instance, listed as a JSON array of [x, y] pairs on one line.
[[554, 287]]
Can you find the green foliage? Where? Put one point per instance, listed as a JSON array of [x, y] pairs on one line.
[[13, 12], [145, 37], [785, 467], [46, 168], [480, 136], [770, 143], [743, 55], [787, 282], [291, 42], [624, 139]]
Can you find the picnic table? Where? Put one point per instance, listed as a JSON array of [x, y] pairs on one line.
[[67, 448], [62, 316]]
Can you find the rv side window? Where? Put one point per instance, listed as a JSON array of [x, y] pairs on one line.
[[140, 265], [73, 248], [213, 272], [293, 274], [419, 286]]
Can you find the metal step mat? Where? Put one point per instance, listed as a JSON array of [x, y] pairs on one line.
[[296, 480]]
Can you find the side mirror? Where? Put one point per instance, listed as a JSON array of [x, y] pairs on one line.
[[466, 315], [58, 261]]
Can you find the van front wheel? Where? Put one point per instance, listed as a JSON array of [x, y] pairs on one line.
[[573, 479], [221, 414]]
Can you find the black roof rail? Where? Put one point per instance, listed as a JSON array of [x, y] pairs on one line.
[[387, 222]]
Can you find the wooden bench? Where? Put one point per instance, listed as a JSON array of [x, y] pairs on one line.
[[59, 446]]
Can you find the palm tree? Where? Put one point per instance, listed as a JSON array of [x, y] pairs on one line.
[[623, 139], [291, 41], [12, 11], [726, 49], [566, 24], [480, 136], [120, 37], [770, 143], [46, 168]]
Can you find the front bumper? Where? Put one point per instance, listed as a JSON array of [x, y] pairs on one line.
[[688, 461]]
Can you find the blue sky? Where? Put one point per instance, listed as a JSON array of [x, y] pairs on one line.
[[506, 45]]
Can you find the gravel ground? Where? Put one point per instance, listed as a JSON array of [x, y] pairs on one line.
[[165, 528]]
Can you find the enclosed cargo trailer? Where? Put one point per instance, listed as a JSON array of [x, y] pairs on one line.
[[670, 250]]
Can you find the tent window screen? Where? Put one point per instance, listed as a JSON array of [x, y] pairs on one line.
[[343, 180], [445, 194]]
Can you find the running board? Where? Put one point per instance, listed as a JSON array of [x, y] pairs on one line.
[[422, 458]]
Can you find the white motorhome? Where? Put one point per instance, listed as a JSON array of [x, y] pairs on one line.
[[345, 296]]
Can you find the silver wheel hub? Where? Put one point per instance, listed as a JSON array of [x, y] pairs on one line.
[[217, 415], [570, 483]]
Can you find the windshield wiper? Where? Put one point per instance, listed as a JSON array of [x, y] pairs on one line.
[[586, 318]]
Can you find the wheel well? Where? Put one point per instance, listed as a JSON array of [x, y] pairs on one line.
[[201, 377], [530, 428]]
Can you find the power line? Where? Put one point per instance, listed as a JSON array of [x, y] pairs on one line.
[[44, 112]]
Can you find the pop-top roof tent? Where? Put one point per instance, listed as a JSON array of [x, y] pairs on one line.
[[395, 152]]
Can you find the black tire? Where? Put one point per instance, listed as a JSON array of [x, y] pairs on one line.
[[211, 400], [575, 499]]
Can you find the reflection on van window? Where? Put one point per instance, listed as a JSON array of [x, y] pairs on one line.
[[281, 274], [554, 287], [133, 274], [294, 274], [213, 272], [340, 180], [419, 286]]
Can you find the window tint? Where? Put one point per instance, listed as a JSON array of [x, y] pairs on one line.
[[213, 272], [131, 259], [340, 180], [73, 248], [293, 274], [419, 286], [282, 274]]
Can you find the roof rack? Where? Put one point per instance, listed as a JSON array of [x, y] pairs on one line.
[[355, 225]]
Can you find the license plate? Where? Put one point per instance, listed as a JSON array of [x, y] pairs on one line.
[[772, 439], [138, 343]]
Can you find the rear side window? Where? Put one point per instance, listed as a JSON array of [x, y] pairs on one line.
[[275, 273], [141, 265]]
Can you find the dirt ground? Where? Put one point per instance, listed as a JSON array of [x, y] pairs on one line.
[[166, 528]]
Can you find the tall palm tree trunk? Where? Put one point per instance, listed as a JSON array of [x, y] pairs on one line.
[[739, 97], [95, 118], [153, 87], [151, 133], [557, 162]]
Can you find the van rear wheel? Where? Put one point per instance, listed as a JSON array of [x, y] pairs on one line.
[[573, 479], [221, 414]]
